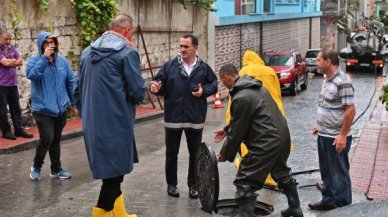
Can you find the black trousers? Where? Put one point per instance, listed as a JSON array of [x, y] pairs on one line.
[[173, 139], [10, 96], [254, 169], [50, 132], [110, 190]]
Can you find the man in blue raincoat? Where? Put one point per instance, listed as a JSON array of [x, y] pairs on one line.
[[108, 86]]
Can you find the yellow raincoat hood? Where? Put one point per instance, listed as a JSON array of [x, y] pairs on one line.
[[254, 66]]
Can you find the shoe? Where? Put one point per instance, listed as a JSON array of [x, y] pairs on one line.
[[9, 135], [193, 193], [321, 206], [172, 191], [62, 174], [24, 134], [35, 173]]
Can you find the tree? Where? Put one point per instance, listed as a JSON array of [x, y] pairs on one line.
[[205, 4]]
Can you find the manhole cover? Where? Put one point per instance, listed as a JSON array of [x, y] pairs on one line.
[[206, 174]]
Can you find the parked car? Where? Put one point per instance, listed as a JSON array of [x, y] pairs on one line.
[[290, 68], [311, 59]]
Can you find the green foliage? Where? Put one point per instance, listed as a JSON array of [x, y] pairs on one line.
[[343, 23], [16, 18], [384, 19], [353, 5], [205, 4], [72, 56], [384, 97], [93, 16], [43, 6]]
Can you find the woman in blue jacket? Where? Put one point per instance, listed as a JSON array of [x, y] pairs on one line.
[[52, 83]]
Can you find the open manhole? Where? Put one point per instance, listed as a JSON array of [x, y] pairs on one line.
[[206, 174]]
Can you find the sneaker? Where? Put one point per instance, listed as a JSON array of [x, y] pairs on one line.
[[9, 135], [62, 174], [24, 134], [35, 173]]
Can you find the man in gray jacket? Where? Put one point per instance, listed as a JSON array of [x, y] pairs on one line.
[[257, 121]]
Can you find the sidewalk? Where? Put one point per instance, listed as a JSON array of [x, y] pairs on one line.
[[72, 129], [369, 165]]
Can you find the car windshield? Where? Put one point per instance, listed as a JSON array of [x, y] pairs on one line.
[[311, 54], [277, 60]]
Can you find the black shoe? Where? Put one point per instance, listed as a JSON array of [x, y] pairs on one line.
[[193, 193], [321, 206], [23, 133], [9, 135], [172, 191]]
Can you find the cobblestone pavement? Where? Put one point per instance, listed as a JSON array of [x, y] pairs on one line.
[[145, 189]]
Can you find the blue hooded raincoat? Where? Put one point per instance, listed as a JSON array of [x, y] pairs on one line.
[[52, 85], [108, 86]]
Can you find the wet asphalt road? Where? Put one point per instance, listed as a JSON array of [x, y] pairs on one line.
[[145, 188]]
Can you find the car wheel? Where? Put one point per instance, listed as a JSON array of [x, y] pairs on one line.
[[304, 85], [294, 87], [349, 68]]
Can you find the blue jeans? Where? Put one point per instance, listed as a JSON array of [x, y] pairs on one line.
[[334, 169]]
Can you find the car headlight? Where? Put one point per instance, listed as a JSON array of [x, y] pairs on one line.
[[284, 74]]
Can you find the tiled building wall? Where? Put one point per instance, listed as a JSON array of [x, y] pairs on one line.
[[232, 41], [316, 29], [286, 35], [250, 38], [227, 46]]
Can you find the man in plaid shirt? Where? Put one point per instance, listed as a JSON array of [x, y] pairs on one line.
[[335, 115]]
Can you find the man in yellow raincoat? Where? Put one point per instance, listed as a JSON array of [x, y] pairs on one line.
[[254, 66]]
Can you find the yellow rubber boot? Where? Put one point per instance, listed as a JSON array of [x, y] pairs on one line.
[[98, 212], [119, 208]]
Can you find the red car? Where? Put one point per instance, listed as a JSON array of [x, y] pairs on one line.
[[290, 68]]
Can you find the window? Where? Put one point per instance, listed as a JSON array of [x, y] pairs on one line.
[[287, 1], [248, 6], [278, 60], [268, 6]]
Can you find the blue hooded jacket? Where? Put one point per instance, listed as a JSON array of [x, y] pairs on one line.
[[52, 84]]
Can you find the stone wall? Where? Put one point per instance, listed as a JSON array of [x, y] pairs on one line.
[[163, 22]]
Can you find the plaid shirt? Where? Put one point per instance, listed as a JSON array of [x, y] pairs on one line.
[[335, 94]]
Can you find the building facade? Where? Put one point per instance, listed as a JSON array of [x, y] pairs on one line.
[[261, 25]]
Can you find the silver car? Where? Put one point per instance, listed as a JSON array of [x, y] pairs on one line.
[[311, 59]]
